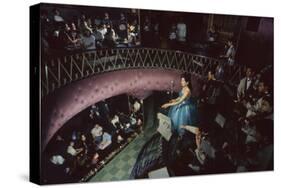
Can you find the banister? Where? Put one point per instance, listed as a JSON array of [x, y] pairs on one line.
[[61, 71]]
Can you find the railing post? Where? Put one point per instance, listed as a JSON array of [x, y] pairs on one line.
[[47, 79], [59, 73]]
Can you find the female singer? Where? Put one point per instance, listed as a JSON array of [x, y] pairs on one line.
[[182, 110]]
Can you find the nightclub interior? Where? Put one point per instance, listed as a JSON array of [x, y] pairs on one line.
[[133, 93]]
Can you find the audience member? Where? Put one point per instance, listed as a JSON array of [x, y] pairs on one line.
[[83, 24], [105, 142], [106, 20], [57, 17], [97, 133], [212, 34], [181, 31], [147, 32], [173, 36], [219, 73], [109, 38], [57, 34], [245, 85], [258, 105], [230, 53], [253, 95], [57, 160], [88, 41], [72, 151], [122, 28], [210, 89]]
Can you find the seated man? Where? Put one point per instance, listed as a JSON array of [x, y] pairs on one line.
[[72, 151], [97, 133], [118, 127], [125, 122], [116, 123], [84, 144], [57, 160], [105, 142], [89, 41], [229, 56], [83, 156], [136, 106], [220, 72], [128, 128], [135, 122], [73, 159], [257, 144], [109, 38], [245, 85], [249, 128], [94, 112], [210, 90], [260, 105], [122, 28]]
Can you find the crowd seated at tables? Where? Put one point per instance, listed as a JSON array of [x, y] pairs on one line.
[[62, 33], [240, 139], [88, 149], [235, 134]]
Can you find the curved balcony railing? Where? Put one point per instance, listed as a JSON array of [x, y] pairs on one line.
[[59, 72]]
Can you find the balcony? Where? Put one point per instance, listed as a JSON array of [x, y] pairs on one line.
[[61, 71]]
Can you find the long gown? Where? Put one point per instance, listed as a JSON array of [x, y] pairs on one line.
[[184, 113]]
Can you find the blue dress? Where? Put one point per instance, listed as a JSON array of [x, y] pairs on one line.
[[184, 113]]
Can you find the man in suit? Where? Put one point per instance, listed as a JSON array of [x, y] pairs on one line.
[[245, 85], [230, 53]]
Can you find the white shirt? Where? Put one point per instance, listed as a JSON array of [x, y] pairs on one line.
[[88, 40], [252, 134], [249, 81], [181, 31], [102, 31], [58, 18], [133, 121], [253, 109], [230, 54], [57, 160], [128, 125], [241, 86], [137, 106], [96, 131], [71, 151], [115, 120]]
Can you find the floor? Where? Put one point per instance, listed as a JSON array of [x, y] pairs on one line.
[[120, 167]]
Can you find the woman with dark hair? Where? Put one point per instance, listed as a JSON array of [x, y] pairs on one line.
[[109, 38], [182, 109]]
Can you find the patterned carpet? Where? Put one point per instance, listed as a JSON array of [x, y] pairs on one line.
[[120, 167]]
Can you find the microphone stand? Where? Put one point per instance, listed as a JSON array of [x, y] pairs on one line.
[[172, 89]]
